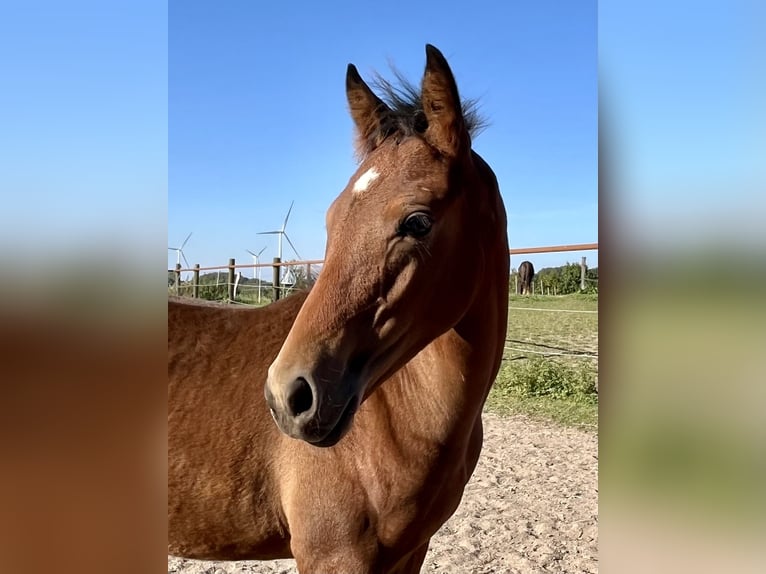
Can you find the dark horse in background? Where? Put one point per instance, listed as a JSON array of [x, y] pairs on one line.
[[340, 426], [526, 274]]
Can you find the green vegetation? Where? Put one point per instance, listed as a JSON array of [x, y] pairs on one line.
[[550, 366], [563, 280], [541, 377], [545, 388]]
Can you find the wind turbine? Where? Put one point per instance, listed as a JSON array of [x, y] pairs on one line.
[[281, 232], [180, 251], [255, 261]]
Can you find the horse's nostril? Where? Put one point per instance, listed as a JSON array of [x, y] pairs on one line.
[[299, 397]]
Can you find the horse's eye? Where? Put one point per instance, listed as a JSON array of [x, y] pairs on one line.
[[416, 225]]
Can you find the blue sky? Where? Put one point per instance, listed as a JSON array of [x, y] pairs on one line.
[[257, 113], [683, 92], [83, 129]]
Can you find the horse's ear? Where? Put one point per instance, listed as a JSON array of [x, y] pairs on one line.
[[441, 104], [367, 110]]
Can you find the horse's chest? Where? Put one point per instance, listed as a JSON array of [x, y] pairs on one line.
[[417, 496]]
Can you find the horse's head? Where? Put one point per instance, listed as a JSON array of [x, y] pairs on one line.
[[405, 256]]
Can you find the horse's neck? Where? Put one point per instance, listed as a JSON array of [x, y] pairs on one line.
[[439, 394]]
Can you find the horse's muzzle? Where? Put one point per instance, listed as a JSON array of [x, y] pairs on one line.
[[302, 413]]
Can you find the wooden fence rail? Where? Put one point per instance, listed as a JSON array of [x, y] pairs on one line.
[[277, 263]]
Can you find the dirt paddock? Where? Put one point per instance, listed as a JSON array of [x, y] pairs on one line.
[[531, 506]]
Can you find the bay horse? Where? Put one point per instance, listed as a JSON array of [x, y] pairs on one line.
[[340, 426], [526, 274]]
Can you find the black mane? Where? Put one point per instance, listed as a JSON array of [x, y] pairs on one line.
[[406, 117]]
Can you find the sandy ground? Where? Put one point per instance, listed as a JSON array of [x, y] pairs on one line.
[[531, 506]]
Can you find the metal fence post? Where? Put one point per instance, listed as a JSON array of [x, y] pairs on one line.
[[195, 284]]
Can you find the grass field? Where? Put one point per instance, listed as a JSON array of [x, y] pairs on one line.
[[550, 365]]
